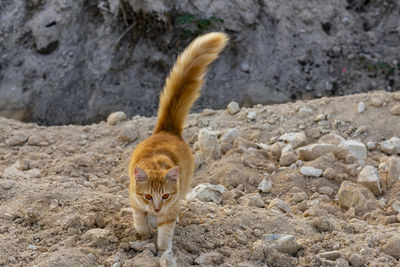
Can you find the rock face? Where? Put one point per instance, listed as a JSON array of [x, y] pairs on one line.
[[76, 60]]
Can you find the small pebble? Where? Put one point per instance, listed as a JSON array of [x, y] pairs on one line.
[[395, 110], [371, 145], [252, 115], [376, 101], [356, 260], [361, 107], [233, 108], [116, 117], [310, 171], [265, 186], [320, 117]]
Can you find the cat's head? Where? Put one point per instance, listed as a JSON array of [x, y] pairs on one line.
[[157, 190]]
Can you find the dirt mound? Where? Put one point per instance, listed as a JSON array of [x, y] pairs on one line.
[[311, 183]]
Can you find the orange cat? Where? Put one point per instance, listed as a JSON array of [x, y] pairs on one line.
[[161, 167]]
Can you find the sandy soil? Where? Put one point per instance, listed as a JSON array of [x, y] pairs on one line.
[[64, 196]]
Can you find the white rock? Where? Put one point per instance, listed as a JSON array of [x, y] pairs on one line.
[[295, 139], [310, 171], [315, 151], [265, 186], [116, 117], [332, 138], [208, 143], [391, 146], [207, 193], [283, 243], [369, 178], [252, 115], [230, 136], [354, 147], [361, 107], [357, 196], [287, 156], [233, 108]]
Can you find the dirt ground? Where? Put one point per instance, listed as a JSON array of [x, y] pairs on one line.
[[64, 196]]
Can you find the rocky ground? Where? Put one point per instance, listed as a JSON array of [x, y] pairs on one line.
[[311, 183]]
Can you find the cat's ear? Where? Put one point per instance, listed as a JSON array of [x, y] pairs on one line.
[[140, 174], [172, 174]]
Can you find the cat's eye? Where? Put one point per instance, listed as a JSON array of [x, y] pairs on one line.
[[148, 196], [165, 196]]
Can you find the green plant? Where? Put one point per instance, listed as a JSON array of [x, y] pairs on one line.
[[194, 26]]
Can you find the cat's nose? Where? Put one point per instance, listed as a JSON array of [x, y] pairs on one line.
[[156, 210]]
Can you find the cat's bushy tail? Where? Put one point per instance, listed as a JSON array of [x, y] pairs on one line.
[[184, 83]]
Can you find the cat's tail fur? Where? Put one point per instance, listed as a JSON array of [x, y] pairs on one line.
[[184, 83]]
